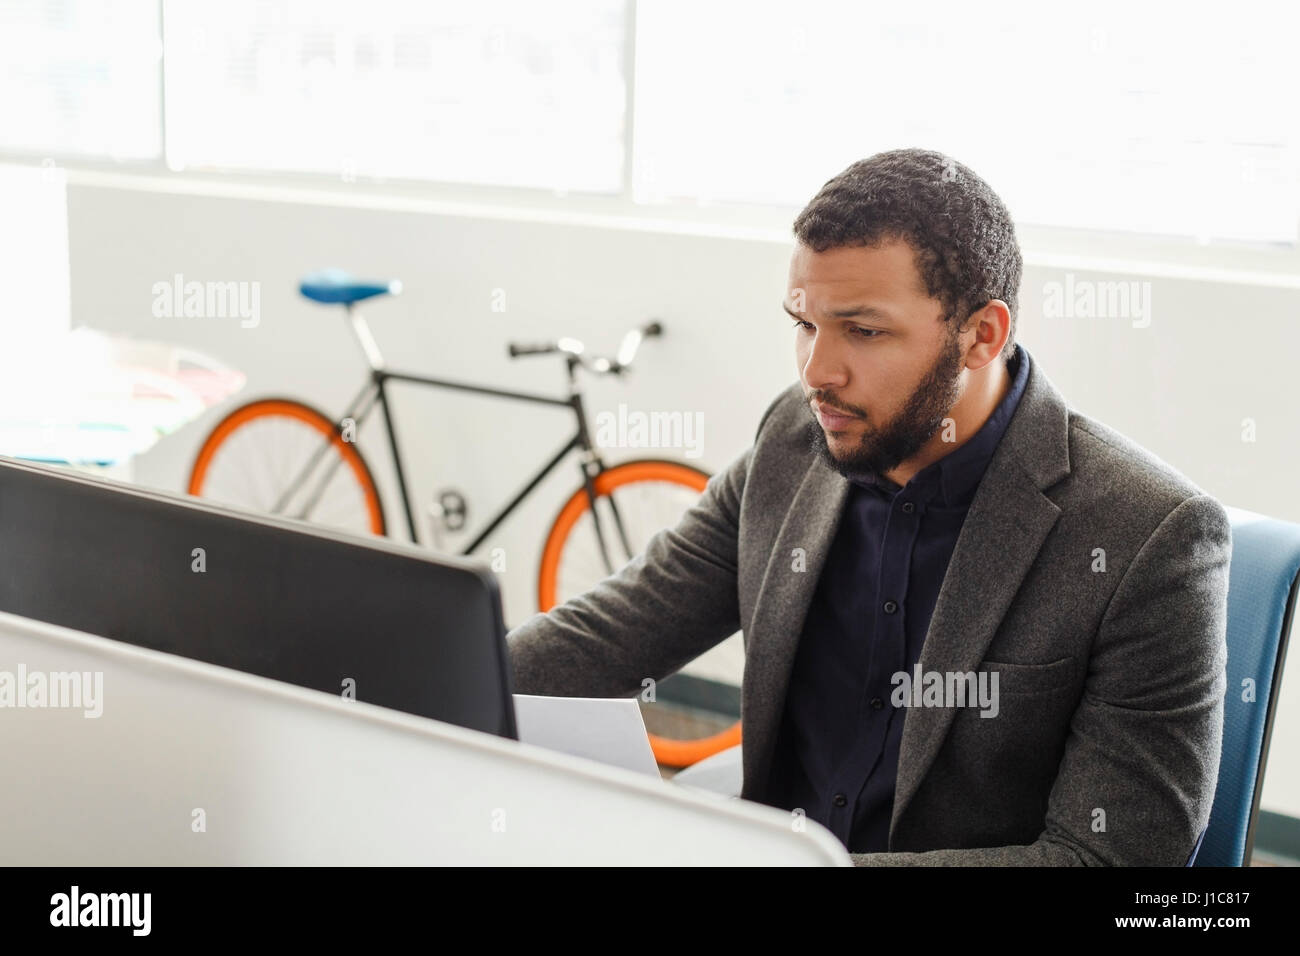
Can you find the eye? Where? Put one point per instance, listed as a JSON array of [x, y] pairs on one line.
[[801, 324], [867, 333]]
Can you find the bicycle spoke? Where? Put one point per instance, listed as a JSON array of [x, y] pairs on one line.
[[245, 482], [288, 459], [255, 493], [646, 508]]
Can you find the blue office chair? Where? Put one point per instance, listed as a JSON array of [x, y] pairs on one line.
[[1262, 586]]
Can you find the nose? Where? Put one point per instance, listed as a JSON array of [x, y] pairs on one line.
[[822, 366]]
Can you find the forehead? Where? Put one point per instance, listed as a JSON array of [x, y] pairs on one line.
[[886, 270]]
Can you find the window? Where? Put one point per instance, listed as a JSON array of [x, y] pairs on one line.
[[80, 77], [1111, 115], [1108, 115], [502, 92]]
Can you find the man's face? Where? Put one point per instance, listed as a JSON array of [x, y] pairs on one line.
[[880, 369]]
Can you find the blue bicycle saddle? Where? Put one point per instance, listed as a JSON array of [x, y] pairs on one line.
[[336, 287]]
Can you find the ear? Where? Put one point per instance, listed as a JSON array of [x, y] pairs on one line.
[[992, 326]]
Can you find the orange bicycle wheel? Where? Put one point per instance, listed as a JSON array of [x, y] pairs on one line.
[[279, 456], [651, 495]]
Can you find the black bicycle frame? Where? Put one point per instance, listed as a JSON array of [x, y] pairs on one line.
[[375, 392]]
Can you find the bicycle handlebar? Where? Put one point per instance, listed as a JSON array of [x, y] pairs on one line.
[[601, 365], [516, 350]]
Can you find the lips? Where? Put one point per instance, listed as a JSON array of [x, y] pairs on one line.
[[830, 419]]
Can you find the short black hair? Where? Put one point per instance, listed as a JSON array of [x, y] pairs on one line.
[[962, 233]]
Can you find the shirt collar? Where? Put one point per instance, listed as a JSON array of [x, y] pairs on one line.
[[952, 480]]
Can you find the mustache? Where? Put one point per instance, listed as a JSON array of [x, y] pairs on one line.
[[832, 406]]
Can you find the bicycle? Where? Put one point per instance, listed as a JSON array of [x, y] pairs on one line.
[[330, 482]]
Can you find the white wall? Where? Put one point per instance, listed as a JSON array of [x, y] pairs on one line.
[[1215, 353]]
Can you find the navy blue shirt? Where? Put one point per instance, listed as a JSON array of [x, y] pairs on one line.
[[837, 749]]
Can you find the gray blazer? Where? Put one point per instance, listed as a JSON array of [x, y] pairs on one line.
[[1089, 575]]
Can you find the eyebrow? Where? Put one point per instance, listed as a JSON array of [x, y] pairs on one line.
[[852, 312]]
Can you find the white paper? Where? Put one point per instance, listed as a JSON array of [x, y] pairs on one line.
[[607, 729]]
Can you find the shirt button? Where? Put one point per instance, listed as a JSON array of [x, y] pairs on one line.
[[890, 607], [840, 800], [908, 507], [877, 703]]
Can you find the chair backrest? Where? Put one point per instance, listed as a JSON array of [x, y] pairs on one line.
[[1262, 589]]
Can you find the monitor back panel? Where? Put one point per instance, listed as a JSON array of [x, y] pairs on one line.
[[384, 623]]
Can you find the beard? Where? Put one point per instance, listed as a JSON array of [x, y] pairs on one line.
[[885, 448]]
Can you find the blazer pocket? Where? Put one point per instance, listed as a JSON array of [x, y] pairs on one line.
[[1031, 678]]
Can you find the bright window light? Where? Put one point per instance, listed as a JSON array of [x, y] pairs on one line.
[[502, 92], [80, 77], [1108, 115]]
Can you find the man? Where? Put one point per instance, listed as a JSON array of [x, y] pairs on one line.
[[980, 628]]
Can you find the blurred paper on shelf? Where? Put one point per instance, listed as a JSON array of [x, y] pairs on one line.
[[88, 398], [79, 397]]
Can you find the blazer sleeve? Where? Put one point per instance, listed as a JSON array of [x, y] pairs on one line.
[[667, 606], [1141, 762]]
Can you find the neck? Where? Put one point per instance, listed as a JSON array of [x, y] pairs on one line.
[[982, 393]]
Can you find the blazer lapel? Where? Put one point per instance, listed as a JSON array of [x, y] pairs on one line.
[[1008, 521], [779, 612], [1006, 525]]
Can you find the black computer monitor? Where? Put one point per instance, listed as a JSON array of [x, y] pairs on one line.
[[283, 599]]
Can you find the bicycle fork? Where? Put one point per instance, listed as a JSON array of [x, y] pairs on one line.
[[589, 484], [591, 466]]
